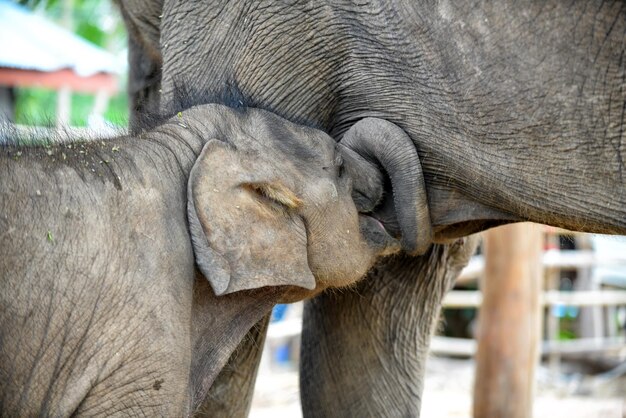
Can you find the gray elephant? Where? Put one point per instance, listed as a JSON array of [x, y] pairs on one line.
[[515, 108], [102, 311]]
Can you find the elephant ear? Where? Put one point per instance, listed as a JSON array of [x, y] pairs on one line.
[[243, 219]]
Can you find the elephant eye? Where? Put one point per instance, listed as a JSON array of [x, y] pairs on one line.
[[275, 193]]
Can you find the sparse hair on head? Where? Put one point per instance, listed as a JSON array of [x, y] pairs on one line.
[[186, 97], [29, 136]]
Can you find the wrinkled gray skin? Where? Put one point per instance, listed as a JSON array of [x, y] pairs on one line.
[[102, 309], [516, 109]]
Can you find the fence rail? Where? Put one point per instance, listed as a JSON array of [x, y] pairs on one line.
[[465, 347], [473, 298]]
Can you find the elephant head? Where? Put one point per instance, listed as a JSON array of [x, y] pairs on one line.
[[272, 218], [270, 202]]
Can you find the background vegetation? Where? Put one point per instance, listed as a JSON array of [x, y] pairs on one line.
[[98, 22]]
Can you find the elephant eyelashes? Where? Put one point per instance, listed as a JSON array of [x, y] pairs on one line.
[[275, 193]]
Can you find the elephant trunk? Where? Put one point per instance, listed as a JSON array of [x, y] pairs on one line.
[[372, 144]]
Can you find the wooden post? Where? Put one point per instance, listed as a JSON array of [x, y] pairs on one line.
[[509, 330], [551, 281]]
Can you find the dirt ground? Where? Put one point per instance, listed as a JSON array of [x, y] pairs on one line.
[[448, 389]]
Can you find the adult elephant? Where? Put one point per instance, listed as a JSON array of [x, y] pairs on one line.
[[516, 110]]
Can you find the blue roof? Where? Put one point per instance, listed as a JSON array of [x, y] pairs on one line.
[[31, 42]]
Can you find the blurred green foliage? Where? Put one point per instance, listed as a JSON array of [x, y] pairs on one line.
[[100, 23], [37, 106], [117, 112]]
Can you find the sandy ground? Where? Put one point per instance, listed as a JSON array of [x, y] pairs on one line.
[[447, 393]]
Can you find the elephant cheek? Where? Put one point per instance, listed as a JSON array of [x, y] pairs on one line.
[[337, 254]]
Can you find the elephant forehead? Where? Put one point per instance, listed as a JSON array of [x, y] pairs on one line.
[[295, 141]]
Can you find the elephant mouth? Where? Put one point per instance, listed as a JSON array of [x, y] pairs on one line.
[[377, 235], [380, 225], [378, 219]]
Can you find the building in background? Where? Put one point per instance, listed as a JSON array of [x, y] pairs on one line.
[[36, 52]]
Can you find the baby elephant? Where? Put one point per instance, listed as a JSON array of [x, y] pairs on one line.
[[102, 309]]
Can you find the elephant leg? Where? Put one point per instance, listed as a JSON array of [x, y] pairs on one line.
[[364, 349], [231, 393], [144, 83], [143, 22]]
